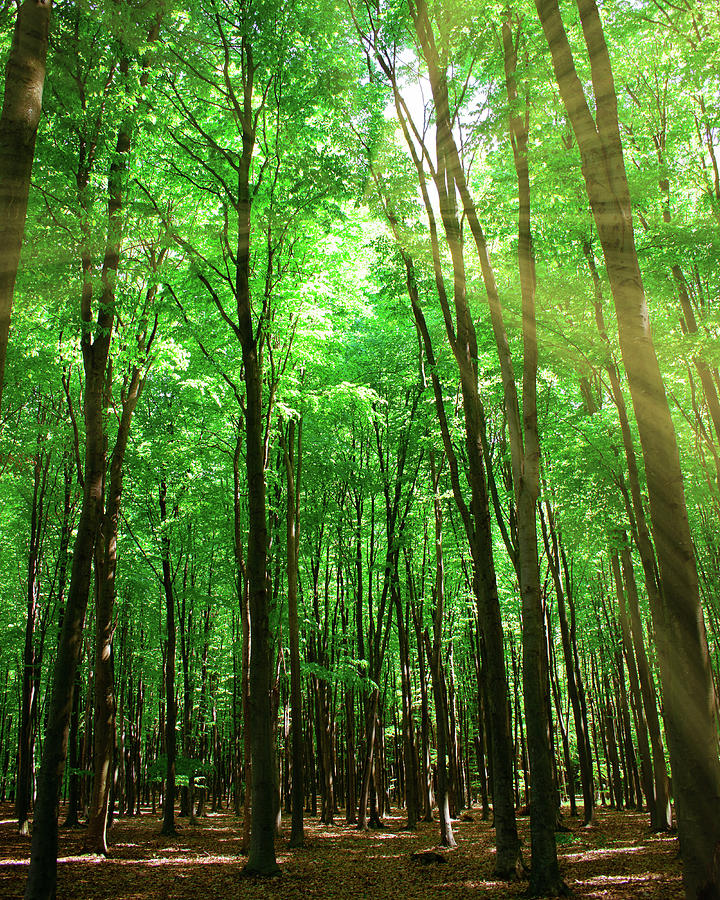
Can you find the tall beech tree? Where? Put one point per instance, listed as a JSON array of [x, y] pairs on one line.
[[475, 514], [689, 693]]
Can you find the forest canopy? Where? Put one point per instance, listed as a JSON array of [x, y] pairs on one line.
[[360, 421]]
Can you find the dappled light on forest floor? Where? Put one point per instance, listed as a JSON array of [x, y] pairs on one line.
[[615, 859]]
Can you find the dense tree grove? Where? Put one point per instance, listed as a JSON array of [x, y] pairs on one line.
[[360, 428]]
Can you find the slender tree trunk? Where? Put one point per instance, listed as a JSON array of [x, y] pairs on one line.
[[168, 826], [475, 516], [371, 718], [23, 789], [261, 858], [455, 790], [525, 452], [434, 653], [552, 550], [71, 819], [351, 790], [426, 774], [564, 725], [660, 817], [410, 757], [646, 768], [106, 566], [297, 834], [634, 791], [95, 345], [480, 739], [244, 601]]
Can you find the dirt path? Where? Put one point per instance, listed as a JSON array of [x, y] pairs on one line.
[[614, 859]]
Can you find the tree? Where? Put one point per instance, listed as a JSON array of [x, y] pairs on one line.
[[690, 715], [95, 341], [19, 121]]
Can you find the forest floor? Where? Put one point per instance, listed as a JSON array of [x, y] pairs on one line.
[[615, 858]]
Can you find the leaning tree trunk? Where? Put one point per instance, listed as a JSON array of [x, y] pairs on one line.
[[475, 515], [19, 120], [476, 521], [661, 817], [95, 346], [43, 861], [688, 690], [545, 877]]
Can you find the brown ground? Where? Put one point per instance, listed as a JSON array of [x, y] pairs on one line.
[[614, 859]]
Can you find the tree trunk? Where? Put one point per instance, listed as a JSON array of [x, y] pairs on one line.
[[410, 757], [106, 567], [168, 826], [95, 341], [19, 120], [434, 654], [476, 521], [545, 877], [646, 768], [476, 516], [351, 790], [23, 789], [688, 690], [371, 718], [71, 819], [583, 745], [244, 602], [426, 774], [297, 834], [660, 816], [564, 724], [43, 863]]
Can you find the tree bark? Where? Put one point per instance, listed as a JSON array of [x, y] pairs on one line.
[[19, 120]]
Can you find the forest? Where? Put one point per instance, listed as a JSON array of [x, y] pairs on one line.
[[359, 449]]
